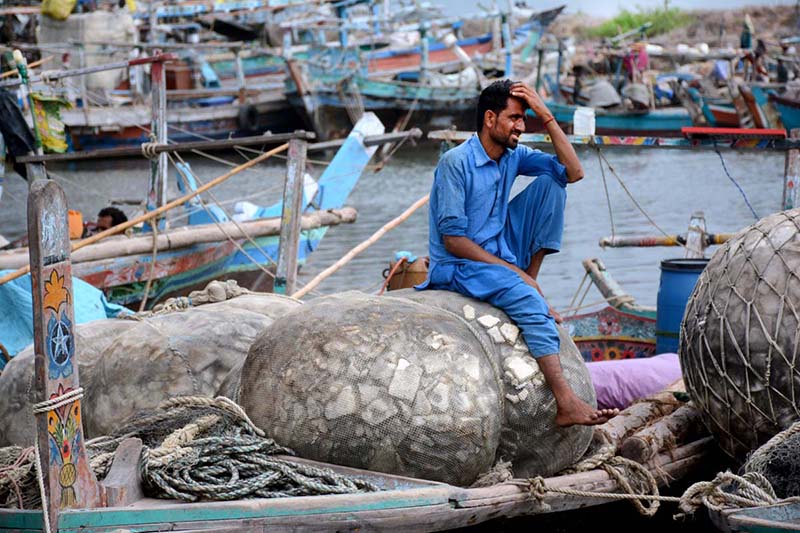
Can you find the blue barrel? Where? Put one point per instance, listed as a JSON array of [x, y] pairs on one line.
[[678, 278]]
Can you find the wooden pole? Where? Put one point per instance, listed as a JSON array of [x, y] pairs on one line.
[[291, 213], [157, 195], [791, 175], [361, 247], [153, 214], [35, 64], [68, 481]]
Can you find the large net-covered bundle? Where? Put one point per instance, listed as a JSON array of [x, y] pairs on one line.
[[778, 460], [127, 365], [379, 383], [530, 439], [739, 336]]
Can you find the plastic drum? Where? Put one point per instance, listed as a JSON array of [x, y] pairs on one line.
[[678, 278]]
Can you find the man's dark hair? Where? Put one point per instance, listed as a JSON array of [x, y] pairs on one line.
[[117, 216], [493, 98]]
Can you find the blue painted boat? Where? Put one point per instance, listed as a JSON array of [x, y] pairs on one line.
[[664, 122], [788, 109], [779, 518], [179, 270]]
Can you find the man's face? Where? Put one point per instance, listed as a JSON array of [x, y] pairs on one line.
[[103, 223], [506, 127]]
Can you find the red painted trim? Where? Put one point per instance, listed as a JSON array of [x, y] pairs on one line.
[[694, 131]]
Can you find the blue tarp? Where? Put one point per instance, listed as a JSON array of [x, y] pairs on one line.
[[16, 310]]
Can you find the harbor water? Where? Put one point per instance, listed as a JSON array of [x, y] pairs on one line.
[[669, 186]]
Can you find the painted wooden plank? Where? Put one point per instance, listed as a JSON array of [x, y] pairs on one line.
[[791, 175], [20, 520], [68, 480], [291, 214], [152, 512]]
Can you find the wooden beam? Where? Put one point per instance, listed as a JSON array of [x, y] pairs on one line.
[[68, 480], [292, 210], [188, 236], [135, 151], [791, 175]]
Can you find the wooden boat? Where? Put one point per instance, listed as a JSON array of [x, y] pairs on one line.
[[788, 109], [664, 122], [405, 504], [621, 330], [189, 257], [779, 518]]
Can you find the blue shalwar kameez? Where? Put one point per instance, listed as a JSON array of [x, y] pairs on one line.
[[470, 198]]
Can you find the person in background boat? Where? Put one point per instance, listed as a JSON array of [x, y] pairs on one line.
[[746, 37], [636, 62], [108, 217], [484, 246]]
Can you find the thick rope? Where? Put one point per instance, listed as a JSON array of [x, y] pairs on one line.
[[59, 401]]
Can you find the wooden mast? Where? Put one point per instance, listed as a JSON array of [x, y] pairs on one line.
[[68, 481]]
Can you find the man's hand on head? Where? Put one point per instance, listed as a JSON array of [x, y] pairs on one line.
[[524, 92]]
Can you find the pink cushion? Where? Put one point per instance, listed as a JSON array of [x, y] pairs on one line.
[[619, 383]]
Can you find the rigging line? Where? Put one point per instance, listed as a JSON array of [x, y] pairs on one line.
[[741, 191], [235, 223], [630, 195], [77, 185], [608, 196], [219, 226], [243, 148]]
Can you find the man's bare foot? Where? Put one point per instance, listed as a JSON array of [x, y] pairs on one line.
[[575, 411]]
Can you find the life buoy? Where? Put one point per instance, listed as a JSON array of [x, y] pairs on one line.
[[248, 118]]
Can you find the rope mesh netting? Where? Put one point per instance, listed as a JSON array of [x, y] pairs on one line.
[[740, 335], [195, 448]]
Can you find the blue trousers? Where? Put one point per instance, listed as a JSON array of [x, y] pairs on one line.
[[535, 222]]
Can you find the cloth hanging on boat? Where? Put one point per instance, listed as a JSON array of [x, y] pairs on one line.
[[47, 113], [18, 137]]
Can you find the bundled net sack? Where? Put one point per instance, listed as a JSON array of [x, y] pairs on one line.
[[739, 336], [530, 439], [778, 460], [378, 383], [127, 365]]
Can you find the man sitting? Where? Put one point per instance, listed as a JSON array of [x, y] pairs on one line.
[[483, 246]]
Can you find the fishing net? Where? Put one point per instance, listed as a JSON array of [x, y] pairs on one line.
[[127, 365], [778, 460], [530, 439], [195, 448], [740, 335], [379, 383]]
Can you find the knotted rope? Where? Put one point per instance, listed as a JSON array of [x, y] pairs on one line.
[[149, 150]]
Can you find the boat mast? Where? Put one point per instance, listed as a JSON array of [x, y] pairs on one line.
[[157, 195]]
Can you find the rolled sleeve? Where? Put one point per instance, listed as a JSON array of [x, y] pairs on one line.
[[451, 218], [537, 163]]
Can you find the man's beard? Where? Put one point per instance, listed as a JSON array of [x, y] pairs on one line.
[[508, 141]]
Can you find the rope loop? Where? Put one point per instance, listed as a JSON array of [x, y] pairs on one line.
[[149, 150], [59, 401]]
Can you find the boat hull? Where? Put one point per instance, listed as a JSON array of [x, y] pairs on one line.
[[659, 123], [789, 111], [610, 334]]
